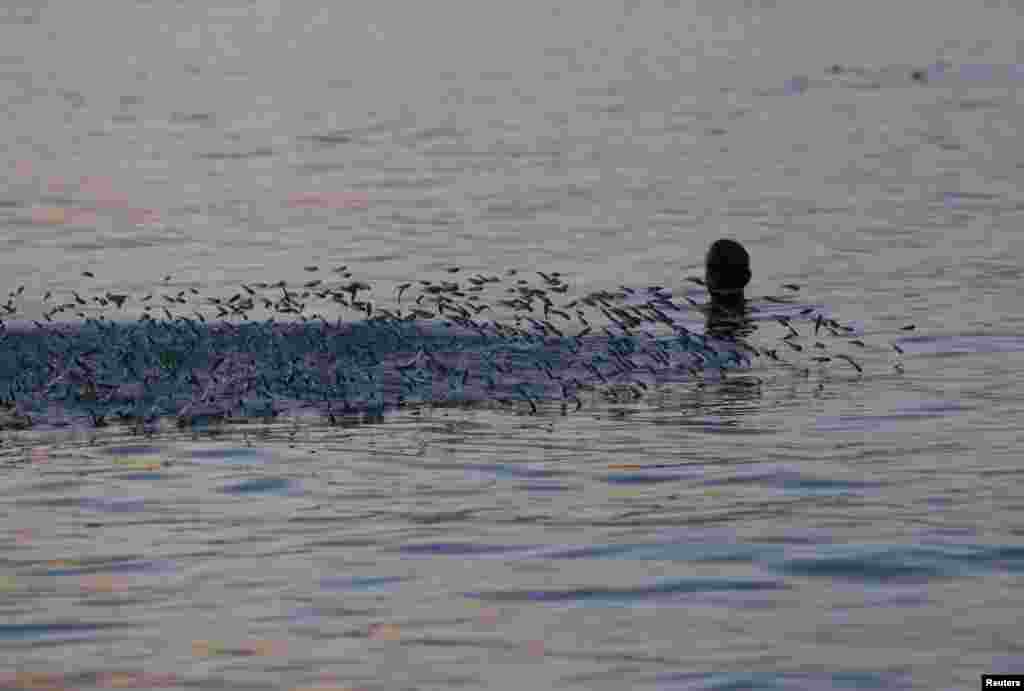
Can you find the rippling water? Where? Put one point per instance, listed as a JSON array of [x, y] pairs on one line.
[[775, 527]]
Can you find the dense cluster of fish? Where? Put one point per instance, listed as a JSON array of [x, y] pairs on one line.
[[265, 349]]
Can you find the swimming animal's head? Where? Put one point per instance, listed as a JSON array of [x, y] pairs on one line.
[[727, 270]]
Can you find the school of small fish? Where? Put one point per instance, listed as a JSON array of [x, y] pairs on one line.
[[440, 342]]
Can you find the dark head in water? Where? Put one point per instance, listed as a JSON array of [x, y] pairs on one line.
[[727, 272]]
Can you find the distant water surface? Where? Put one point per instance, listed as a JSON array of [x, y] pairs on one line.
[[779, 528]]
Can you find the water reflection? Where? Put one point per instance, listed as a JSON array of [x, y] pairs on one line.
[[729, 320]]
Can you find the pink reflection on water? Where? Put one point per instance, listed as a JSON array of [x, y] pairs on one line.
[[32, 680], [102, 192], [51, 681], [99, 194], [135, 680], [88, 216], [103, 583], [141, 217], [330, 200]]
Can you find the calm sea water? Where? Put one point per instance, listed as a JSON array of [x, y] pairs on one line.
[[769, 530]]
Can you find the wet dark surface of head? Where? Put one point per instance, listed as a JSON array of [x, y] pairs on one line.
[[727, 273], [727, 270]]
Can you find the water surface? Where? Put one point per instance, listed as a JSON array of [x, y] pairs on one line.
[[780, 527]]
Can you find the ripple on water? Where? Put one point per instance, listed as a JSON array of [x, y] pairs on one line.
[[132, 450], [782, 681], [920, 410], [874, 563], [56, 631], [661, 592], [361, 584], [820, 557], [650, 475], [464, 549], [229, 455], [132, 566], [793, 480], [115, 504], [957, 344], [263, 485]]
